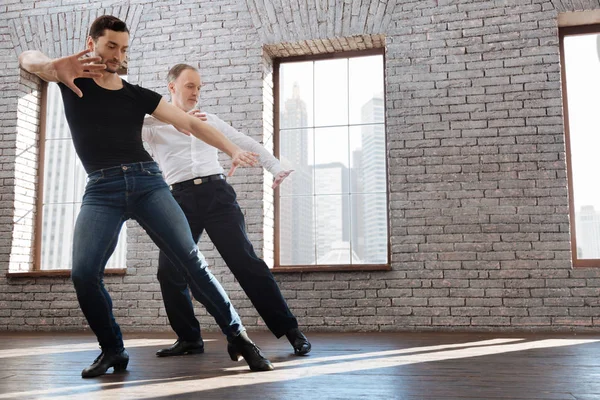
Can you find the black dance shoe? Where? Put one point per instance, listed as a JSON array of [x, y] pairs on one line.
[[182, 347], [106, 360], [299, 342], [242, 346]]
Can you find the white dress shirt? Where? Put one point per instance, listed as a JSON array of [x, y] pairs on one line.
[[184, 157]]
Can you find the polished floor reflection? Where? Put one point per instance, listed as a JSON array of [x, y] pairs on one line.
[[341, 366]]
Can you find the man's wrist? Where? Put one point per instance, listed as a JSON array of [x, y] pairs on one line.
[[235, 149], [276, 170], [50, 68]]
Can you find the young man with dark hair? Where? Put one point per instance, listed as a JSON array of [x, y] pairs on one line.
[[105, 116], [198, 184]]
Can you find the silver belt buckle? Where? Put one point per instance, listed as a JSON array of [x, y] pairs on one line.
[[197, 181]]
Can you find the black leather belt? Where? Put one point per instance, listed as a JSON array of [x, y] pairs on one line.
[[196, 181]]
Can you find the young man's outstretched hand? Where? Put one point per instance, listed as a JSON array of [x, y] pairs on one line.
[[69, 68], [64, 69]]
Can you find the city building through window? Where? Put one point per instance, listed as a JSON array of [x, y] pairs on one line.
[[330, 129]]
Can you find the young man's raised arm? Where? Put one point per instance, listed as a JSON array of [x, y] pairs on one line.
[[65, 69], [186, 123]]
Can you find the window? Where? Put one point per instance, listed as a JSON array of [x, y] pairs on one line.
[[62, 183], [580, 57], [330, 129]]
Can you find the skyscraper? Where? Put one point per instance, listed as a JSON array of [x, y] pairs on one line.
[[374, 200], [296, 220], [357, 206], [333, 213]]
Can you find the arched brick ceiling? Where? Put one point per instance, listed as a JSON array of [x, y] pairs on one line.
[[281, 21], [64, 33], [575, 5]]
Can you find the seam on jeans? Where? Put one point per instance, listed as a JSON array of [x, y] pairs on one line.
[[191, 281], [101, 272], [114, 239]]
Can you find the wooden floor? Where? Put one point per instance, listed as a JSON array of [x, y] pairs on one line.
[[341, 366]]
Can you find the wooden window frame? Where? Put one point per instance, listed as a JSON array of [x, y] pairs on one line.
[[562, 32], [277, 268], [37, 241]]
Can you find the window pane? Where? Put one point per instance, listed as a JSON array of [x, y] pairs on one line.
[[333, 230], [56, 124], [331, 161], [57, 235], [366, 89], [368, 159], [64, 177], [296, 94], [297, 234], [331, 92], [332, 179], [296, 152], [581, 69], [369, 228]]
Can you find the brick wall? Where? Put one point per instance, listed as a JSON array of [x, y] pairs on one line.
[[478, 193]]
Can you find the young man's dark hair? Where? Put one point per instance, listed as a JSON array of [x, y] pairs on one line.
[[105, 22]]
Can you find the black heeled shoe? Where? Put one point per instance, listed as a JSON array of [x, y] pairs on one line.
[[182, 347], [298, 341], [242, 347], [106, 360]]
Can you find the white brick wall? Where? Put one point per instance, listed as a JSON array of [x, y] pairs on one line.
[[478, 193]]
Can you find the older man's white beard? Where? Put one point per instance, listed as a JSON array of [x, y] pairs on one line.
[[187, 106]]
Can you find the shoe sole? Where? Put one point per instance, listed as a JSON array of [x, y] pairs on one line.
[[185, 353], [118, 368], [271, 368]]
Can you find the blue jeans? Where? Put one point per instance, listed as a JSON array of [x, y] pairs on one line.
[[138, 191]]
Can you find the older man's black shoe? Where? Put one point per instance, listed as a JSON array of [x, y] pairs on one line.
[[242, 346], [298, 341], [106, 360], [182, 347]]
